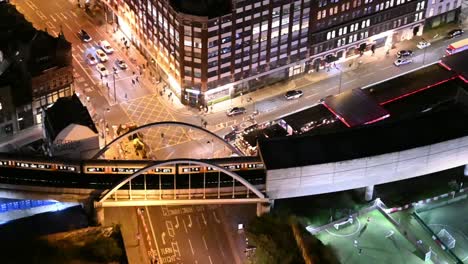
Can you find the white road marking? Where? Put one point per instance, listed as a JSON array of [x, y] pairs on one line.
[[152, 230], [331, 88], [185, 226], [64, 16], [191, 247], [216, 217], [68, 27], [31, 5], [177, 222], [163, 235], [53, 18], [314, 94], [353, 80], [204, 242], [74, 14], [209, 257], [388, 67], [41, 15], [81, 66], [50, 25], [203, 217], [190, 221]]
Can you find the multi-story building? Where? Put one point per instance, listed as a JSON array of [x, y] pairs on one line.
[[440, 12], [212, 50], [35, 70]]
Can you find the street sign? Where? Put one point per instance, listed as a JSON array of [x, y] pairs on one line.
[[427, 257]]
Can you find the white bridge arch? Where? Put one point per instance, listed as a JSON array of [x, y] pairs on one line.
[[130, 200], [162, 124]]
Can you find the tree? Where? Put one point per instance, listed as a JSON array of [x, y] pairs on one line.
[[275, 242]]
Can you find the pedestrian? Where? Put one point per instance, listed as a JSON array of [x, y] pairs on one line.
[[133, 72], [368, 219], [137, 79], [133, 81], [107, 84], [126, 96], [360, 251], [355, 242], [162, 135]]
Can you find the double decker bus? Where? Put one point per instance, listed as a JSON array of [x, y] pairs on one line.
[[456, 47]]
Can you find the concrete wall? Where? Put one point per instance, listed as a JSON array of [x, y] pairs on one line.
[[357, 173]]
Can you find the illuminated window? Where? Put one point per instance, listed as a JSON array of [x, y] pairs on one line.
[[319, 15]]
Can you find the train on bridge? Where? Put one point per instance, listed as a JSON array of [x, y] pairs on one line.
[[103, 174]]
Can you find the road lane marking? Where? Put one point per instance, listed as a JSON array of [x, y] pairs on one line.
[[209, 257], [331, 88], [152, 231], [216, 217], [314, 94], [68, 27], [185, 226], [50, 25], [53, 18], [191, 247], [177, 222], [368, 74], [31, 5], [190, 221], [204, 242], [175, 248], [388, 67], [170, 228], [74, 14], [203, 217], [41, 15], [163, 237], [353, 80], [81, 66], [64, 16]]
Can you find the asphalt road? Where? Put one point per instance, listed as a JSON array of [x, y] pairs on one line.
[[180, 234]]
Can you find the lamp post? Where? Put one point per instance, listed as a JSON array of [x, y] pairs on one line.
[[424, 54], [113, 75], [341, 77]]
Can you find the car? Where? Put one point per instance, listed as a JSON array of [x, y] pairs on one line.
[[122, 65], [101, 55], [293, 94], [404, 53], [91, 59], [455, 33], [84, 36], [423, 44], [102, 69], [402, 61], [236, 111], [106, 46]]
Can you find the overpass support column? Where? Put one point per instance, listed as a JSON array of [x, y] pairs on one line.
[[264, 208], [369, 193], [99, 214]]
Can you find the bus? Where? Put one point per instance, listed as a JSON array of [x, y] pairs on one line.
[[456, 47]]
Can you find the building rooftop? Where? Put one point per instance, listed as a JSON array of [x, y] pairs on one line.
[[66, 111], [206, 8]]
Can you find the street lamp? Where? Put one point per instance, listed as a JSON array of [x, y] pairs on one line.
[[113, 75], [341, 76], [105, 129], [424, 53]]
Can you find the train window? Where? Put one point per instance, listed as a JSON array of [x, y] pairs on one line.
[[3, 163], [95, 169], [163, 170], [209, 168]]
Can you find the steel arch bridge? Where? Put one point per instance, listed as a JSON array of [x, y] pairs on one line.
[[162, 124], [233, 194]]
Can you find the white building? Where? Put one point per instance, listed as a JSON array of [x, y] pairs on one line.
[[439, 12]]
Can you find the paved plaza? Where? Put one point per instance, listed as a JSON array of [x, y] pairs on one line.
[[371, 238]]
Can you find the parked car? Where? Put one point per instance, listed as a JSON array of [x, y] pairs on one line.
[[91, 59], [404, 53], [293, 94], [122, 65], [236, 111], [423, 44], [106, 46], [102, 69], [402, 61], [84, 36], [101, 55], [455, 33]]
